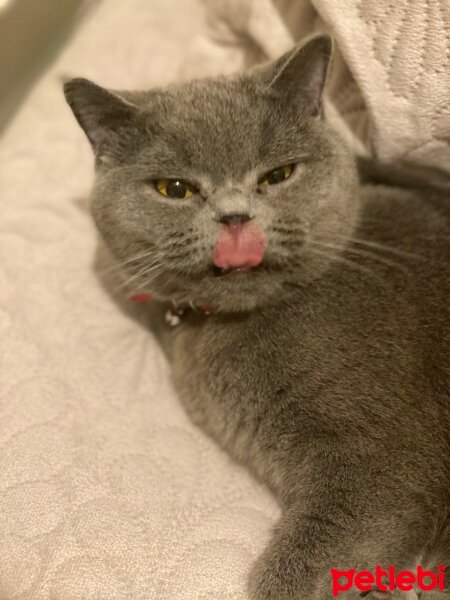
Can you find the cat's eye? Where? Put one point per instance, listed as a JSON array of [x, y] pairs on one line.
[[278, 175], [175, 188]]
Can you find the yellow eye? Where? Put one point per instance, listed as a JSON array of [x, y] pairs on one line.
[[277, 175], [175, 188]]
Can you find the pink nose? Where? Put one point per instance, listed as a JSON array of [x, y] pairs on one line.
[[239, 245]]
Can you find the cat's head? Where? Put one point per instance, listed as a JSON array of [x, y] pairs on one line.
[[221, 191]]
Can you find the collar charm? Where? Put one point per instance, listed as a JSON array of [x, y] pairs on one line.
[[173, 316]]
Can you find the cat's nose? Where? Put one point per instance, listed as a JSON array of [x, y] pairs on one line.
[[234, 218]]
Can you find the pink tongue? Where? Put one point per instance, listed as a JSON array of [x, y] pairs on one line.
[[239, 246]]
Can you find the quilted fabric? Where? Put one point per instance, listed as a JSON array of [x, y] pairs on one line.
[[107, 491], [390, 83]]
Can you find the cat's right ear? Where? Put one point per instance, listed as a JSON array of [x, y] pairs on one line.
[[102, 114]]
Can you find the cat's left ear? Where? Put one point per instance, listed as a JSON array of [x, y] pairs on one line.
[[298, 77]]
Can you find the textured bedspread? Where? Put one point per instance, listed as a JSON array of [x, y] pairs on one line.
[[107, 492]]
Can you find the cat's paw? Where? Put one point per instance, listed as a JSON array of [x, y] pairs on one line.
[[264, 584], [278, 577]]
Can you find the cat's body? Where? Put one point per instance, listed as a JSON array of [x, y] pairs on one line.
[[337, 396], [326, 364]]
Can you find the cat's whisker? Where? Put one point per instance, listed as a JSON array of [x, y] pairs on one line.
[[362, 253], [287, 230], [168, 281], [178, 257], [142, 273], [180, 243], [121, 264], [347, 262], [150, 252], [118, 290], [370, 244], [292, 221]]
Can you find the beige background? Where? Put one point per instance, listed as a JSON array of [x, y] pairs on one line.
[[31, 34]]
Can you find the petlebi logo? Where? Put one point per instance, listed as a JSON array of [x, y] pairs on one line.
[[388, 580]]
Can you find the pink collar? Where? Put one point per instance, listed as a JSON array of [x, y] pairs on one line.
[[175, 313]]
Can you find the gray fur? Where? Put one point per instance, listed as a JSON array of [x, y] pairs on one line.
[[326, 371]]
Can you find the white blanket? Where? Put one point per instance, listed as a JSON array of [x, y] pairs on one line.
[[389, 90], [107, 492]]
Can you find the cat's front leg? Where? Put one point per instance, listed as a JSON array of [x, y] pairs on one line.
[[297, 563], [293, 566], [339, 524]]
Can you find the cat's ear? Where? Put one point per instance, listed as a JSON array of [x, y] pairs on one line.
[[299, 75], [102, 114]]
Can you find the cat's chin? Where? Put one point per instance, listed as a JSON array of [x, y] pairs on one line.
[[239, 290], [224, 290]]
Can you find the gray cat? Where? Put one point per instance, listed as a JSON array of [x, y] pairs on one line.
[[325, 364]]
